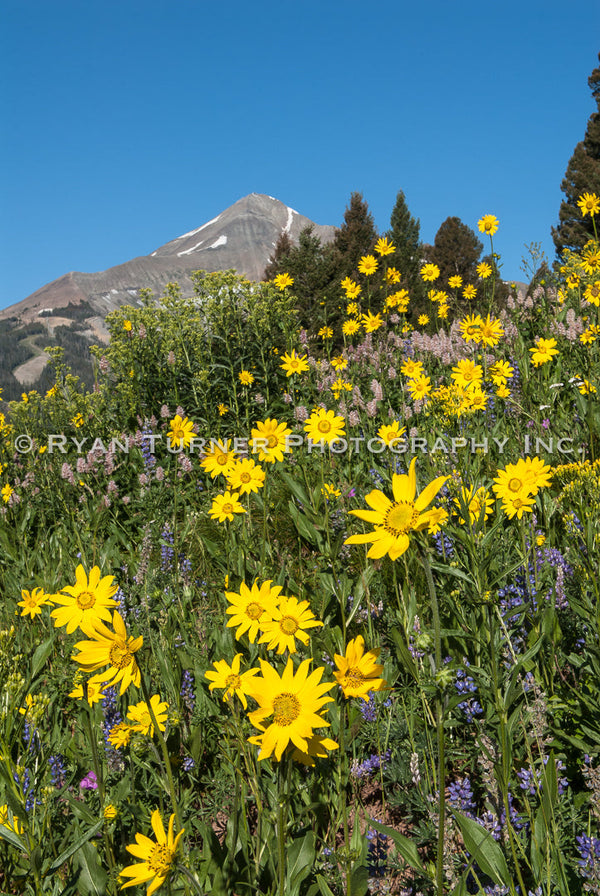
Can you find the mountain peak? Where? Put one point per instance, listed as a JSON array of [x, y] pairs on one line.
[[240, 238]]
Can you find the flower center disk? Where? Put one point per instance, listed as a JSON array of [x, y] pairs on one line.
[[160, 859], [288, 625], [401, 518], [85, 600], [120, 657], [286, 709]]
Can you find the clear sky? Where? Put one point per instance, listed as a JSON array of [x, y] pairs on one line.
[[126, 123]]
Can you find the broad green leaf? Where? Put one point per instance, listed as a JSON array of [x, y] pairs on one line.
[[484, 849], [72, 849], [405, 847]]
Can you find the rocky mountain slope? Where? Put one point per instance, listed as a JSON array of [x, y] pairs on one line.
[[72, 309], [241, 238]]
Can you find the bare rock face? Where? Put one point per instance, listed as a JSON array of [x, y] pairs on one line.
[[241, 238]]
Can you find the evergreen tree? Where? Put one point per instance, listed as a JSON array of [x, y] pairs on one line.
[[278, 260], [582, 176], [355, 238], [311, 266], [404, 233], [456, 250]]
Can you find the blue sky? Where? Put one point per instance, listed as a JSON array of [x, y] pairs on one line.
[[128, 123]]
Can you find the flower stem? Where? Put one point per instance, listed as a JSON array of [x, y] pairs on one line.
[[439, 725]]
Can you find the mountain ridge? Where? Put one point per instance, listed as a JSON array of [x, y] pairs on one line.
[[240, 238]]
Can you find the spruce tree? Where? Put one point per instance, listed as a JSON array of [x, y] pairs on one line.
[[310, 264], [404, 233], [582, 176], [278, 260], [355, 238], [456, 250]]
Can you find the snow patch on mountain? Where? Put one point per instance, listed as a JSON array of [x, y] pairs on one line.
[[188, 251], [198, 229]]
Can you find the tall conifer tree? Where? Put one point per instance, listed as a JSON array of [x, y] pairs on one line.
[[404, 233], [456, 250], [355, 238], [582, 176]]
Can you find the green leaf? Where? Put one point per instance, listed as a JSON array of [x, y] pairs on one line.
[[359, 881], [484, 849], [304, 526], [405, 847], [300, 860], [72, 849], [42, 652], [92, 878], [12, 838]]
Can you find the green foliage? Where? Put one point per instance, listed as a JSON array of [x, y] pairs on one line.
[[477, 763], [582, 176], [404, 233]]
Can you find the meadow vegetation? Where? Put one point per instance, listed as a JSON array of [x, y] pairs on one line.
[[314, 614]]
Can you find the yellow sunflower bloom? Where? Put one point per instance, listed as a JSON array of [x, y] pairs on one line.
[[470, 328], [590, 259], [467, 373], [33, 602], [371, 322], [282, 281], [412, 368], [391, 432], [350, 327], [419, 387], [246, 476], [156, 856], [339, 363], [358, 672], [114, 649], [294, 363], [543, 351], [367, 265], [484, 270], [476, 501], [455, 282], [293, 700], [324, 426], [429, 272], [224, 506], [140, 717], [219, 459], [289, 621], [589, 204], [592, 293], [394, 520], [250, 607], [86, 603], [245, 378], [181, 433], [230, 679], [92, 691], [270, 439], [490, 331], [384, 247], [488, 224]]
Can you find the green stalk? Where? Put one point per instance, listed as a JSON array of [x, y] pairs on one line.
[[99, 777], [439, 725], [281, 822], [504, 747], [165, 752], [343, 779]]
